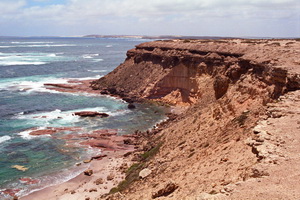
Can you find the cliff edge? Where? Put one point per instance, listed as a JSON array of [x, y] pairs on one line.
[[237, 137]]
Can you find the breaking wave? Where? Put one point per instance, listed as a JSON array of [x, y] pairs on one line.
[[4, 138], [9, 59]]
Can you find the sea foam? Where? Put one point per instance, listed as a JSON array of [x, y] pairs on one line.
[[9, 59], [4, 138], [56, 118]]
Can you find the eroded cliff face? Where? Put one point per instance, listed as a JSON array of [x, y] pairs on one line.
[[180, 72], [226, 85]]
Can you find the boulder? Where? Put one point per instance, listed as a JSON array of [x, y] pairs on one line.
[[168, 189], [87, 161], [91, 114], [93, 190], [128, 141], [131, 106], [110, 177], [128, 100], [99, 157], [99, 181], [145, 172], [88, 172]]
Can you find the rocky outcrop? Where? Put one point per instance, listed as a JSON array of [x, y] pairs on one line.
[[91, 114], [181, 72], [227, 85]]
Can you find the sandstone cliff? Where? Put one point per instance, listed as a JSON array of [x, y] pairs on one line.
[[221, 142]]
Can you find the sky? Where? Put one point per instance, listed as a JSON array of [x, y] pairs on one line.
[[230, 18]]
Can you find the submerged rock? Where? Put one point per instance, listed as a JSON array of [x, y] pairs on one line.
[[28, 181], [20, 167], [91, 114], [65, 86], [11, 192], [43, 132]]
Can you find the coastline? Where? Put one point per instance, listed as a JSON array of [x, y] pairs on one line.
[[108, 168], [228, 140], [83, 186], [214, 147]]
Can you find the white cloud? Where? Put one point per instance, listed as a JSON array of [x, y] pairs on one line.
[[145, 8], [166, 14], [8, 7]]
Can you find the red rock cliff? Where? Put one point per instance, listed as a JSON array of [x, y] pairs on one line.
[[181, 71], [220, 144]]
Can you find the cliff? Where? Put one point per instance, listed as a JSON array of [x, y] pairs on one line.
[[182, 71], [239, 94]]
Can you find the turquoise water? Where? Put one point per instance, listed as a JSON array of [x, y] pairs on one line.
[[25, 65]]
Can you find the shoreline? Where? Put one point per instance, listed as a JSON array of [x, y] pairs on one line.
[[232, 142], [106, 173], [112, 163]]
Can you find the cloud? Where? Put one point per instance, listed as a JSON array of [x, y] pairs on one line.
[[8, 7], [142, 13], [144, 8]]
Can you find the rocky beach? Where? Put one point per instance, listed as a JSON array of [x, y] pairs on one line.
[[51, 121], [234, 135]]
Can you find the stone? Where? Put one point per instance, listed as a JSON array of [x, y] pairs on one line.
[[257, 173], [99, 157], [229, 188], [131, 106], [88, 172], [87, 161], [145, 172], [93, 190], [167, 190], [99, 181], [128, 100], [110, 177], [123, 168], [128, 141], [90, 114]]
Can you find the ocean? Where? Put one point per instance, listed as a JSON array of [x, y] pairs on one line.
[[25, 65]]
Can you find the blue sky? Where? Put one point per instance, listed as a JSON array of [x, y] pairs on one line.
[[235, 18]]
